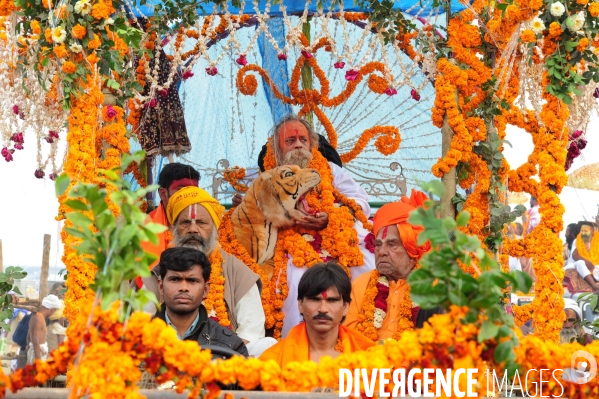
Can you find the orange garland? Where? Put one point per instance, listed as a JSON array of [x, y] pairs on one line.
[[593, 254], [233, 175], [215, 300]]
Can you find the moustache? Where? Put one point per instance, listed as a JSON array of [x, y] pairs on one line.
[[193, 237], [183, 296], [322, 316]]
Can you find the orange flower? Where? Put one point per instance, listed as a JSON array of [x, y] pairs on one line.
[[78, 31], [594, 9], [69, 67], [47, 4], [61, 52], [555, 29], [35, 27], [100, 10], [94, 43], [582, 44], [528, 36], [48, 35]]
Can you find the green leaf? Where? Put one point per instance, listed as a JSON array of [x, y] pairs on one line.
[[462, 219], [504, 352], [79, 219], [61, 184], [76, 205], [488, 331]]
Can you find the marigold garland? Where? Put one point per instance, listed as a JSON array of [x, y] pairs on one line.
[[215, 300], [593, 254], [233, 175]]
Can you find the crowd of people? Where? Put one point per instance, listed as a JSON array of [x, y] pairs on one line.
[[325, 313]]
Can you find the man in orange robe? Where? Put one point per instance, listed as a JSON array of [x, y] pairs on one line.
[[173, 177], [323, 301], [396, 254]]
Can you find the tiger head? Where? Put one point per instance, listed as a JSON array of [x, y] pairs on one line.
[[279, 190]]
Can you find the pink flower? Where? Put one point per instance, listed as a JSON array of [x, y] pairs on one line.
[[18, 138], [390, 91], [39, 174], [49, 140], [4, 152], [582, 143], [339, 65], [351, 75], [283, 57], [211, 70], [369, 242], [577, 134], [163, 92], [53, 134], [415, 95], [8, 157], [110, 112], [15, 109], [188, 74], [19, 146], [153, 103], [241, 60], [52, 176], [306, 54], [596, 93]]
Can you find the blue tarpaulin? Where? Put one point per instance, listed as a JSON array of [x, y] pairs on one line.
[[295, 6]]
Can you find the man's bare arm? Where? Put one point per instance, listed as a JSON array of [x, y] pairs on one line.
[[36, 336]]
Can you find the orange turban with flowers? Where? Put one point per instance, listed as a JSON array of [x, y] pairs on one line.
[[397, 213]]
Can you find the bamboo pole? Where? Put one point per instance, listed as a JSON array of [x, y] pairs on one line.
[[45, 267]]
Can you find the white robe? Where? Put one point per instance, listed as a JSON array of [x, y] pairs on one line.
[[344, 182]]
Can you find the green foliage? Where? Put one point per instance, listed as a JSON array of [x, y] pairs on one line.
[[112, 243], [440, 282], [7, 283]]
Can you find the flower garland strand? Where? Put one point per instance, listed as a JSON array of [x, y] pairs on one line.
[[215, 300]]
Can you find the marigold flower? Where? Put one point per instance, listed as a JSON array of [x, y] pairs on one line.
[[555, 29], [78, 31], [69, 67], [594, 9], [94, 43], [48, 35], [528, 36], [35, 27], [582, 44], [60, 51], [47, 3], [100, 10]]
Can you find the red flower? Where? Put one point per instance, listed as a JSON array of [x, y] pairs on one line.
[[380, 301], [282, 57], [163, 92], [53, 134], [369, 241], [352, 74], [39, 174], [390, 91], [8, 157], [415, 95], [415, 311], [52, 176], [211, 70], [49, 140], [576, 134], [596, 93], [4, 152], [15, 109], [188, 74], [19, 146], [339, 64], [110, 112], [306, 54], [241, 60]]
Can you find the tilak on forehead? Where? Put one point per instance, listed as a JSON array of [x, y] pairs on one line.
[[385, 232], [324, 294], [192, 212], [286, 133]]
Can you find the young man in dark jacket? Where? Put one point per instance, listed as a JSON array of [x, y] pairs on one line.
[[184, 274]]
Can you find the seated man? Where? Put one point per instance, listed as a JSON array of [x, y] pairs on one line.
[[323, 297], [184, 284], [585, 256], [295, 142], [381, 306], [235, 300], [572, 329]]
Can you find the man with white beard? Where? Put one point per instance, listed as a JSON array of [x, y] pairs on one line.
[[292, 142], [234, 296], [572, 329]]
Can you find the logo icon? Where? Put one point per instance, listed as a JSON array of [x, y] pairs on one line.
[[582, 372]]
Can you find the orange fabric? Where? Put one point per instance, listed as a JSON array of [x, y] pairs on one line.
[[296, 347], [158, 216], [397, 213], [396, 295]]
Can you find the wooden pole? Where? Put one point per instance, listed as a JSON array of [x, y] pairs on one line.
[[45, 267], [1, 259], [449, 179], [307, 79]]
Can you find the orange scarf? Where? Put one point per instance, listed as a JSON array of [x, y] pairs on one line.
[[296, 347]]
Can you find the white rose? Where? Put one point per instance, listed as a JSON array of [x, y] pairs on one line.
[[83, 7], [579, 20], [75, 47], [557, 9], [59, 35], [537, 25]]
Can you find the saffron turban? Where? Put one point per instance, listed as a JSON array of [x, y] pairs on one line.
[[193, 195], [397, 213]]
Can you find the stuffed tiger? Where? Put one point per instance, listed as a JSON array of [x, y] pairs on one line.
[[269, 205]]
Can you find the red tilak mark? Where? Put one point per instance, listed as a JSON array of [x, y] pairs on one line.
[[324, 295], [193, 213], [296, 133], [385, 232]]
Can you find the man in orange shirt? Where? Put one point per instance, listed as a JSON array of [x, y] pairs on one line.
[[381, 306], [323, 296]]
